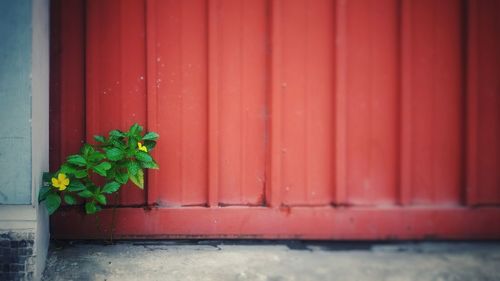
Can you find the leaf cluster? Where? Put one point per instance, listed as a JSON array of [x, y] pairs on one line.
[[101, 169]]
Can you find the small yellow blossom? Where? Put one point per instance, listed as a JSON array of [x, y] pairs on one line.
[[141, 147], [61, 182]]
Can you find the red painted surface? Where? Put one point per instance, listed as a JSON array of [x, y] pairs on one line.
[[177, 90], [115, 77], [306, 67], [363, 223], [368, 119], [67, 85], [433, 91], [370, 54], [483, 100]]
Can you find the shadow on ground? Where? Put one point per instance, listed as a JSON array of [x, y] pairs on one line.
[[273, 260]]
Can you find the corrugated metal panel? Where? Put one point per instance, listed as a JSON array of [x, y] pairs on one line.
[[305, 83], [369, 51], [67, 79], [115, 77], [178, 109], [433, 96], [483, 103], [361, 119]]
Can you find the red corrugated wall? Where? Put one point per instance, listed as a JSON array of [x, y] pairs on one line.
[[319, 119]]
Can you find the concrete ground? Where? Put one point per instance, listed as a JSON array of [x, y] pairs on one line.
[[278, 260]]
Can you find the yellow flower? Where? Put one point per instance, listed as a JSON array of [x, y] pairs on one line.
[[61, 182], [141, 147]]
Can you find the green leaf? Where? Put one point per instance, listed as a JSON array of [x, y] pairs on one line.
[[116, 134], [143, 156], [110, 174], [133, 167], [96, 156], [75, 186], [80, 174], [102, 168], [77, 160], [52, 202], [111, 187], [104, 165], [90, 207], [100, 171], [87, 149], [150, 165], [100, 139], [47, 179], [67, 169], [117, 143], [121, 178], [135, 131], [151, 136], [138, 179], [43, 193], [70, 200], [132, 142], [101, 199], [115, 154], [149, 144], [85, 193]]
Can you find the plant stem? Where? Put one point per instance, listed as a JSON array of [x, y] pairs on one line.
[[113, 218], [98, 222]]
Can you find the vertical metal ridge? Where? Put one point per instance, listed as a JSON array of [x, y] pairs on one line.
[[84, 65], [307, 114], [120, 102], [341, 104], [152, 192], [241, 105], [472, 104], [463, 121], [433, 103], [406, 105], [213, 121], [267, 186], [276, 127], [90, 102], [181, 106]]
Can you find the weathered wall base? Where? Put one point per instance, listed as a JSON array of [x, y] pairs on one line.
[[24, 115], [24, 239], [17, 259]]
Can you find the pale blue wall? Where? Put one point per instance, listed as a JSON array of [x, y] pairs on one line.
[[15, 101]]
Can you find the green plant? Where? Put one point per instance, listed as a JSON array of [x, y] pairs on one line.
[[100, 170]]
